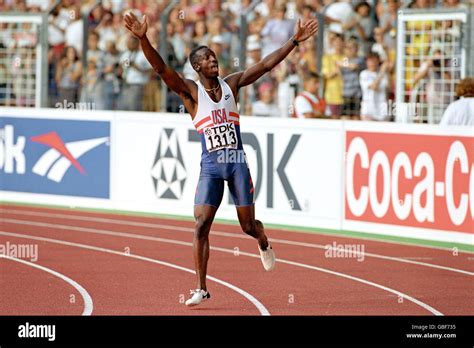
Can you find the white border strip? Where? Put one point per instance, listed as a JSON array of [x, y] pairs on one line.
[[88, 304], [409, 232]]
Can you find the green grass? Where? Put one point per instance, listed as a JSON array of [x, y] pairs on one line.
[[340, 233]]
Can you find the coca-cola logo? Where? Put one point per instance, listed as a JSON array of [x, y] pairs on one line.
[[410, 179]]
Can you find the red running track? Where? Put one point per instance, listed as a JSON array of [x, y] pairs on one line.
[[143, 265]]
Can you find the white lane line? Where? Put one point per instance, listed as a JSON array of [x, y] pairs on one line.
[[226, 234], [261, 308], [88, 304], [232, 251]]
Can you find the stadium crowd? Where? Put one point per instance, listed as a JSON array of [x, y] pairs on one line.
[[355, 79]]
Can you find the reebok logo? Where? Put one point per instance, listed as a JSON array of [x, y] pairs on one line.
[[55, 162], [11, 151]]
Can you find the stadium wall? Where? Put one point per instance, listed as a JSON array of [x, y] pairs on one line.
[[414, 181]]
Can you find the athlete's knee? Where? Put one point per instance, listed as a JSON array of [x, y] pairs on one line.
[[202, 227], [259, 224]]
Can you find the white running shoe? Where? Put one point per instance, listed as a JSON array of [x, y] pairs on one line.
[[268, 258], [198, 296]]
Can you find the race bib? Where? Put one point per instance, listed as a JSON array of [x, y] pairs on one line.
[[221, 136]]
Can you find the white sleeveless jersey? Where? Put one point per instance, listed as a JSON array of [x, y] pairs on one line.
[[210, 113]]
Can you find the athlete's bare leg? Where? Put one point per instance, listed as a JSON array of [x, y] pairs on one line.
[[251, 226], [204, 215]]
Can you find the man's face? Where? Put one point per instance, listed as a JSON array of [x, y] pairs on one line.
[[312, 85], [338, 44], [207, 63], [372, 63]]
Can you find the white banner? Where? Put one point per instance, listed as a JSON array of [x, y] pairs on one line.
[[292, 164]]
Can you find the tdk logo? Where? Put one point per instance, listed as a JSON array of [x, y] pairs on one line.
[[56, 161], [12, 156]]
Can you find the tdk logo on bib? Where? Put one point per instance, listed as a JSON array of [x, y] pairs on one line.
[[55, 157]]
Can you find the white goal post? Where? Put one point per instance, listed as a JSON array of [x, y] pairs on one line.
[[431, 59], [23, 59]]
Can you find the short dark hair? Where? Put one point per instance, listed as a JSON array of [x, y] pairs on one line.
[[361, 4], [311, 75], [193, 57], [372, 55]]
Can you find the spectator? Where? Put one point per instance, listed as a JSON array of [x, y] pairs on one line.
[[136, 70], [106, 31], [254, 50], [307, 103], [200, 37], [217, 45], [68, 75], [74, 31], [435, 72], [111, 84], [388, 22], [120, 31], [277, 31], [216, 28], [340, 14], [91, 89], [380, 47], [461, 112], [266, 106], [333, 77], [96, 16], [351, 67], [374, 83], [179, 42], [454, 4], [364, 25], [308, 60], [93, 51], [264, 8]]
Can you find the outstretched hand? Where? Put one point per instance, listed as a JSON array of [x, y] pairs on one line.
[[133, 24], [306, 30]]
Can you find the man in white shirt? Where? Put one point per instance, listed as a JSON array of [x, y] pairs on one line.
[[136, 74], [374, 82], [461, 112], [307, 104]]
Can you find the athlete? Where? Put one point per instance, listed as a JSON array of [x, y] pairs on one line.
[[211, 101]]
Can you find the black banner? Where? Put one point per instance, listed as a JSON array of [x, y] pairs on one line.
[[71, 331]]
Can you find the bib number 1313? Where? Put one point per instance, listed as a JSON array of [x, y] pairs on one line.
[[220, 137]]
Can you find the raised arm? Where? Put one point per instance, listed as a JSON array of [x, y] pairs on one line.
[[252, 74], [177, 84]]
